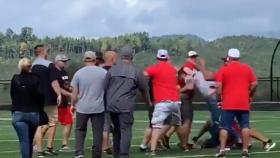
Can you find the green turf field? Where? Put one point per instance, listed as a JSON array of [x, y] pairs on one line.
[[267, 122]]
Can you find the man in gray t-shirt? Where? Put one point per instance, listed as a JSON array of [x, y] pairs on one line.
[[88, 99], [122, 81]]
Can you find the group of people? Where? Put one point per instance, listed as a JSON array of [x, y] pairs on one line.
[[104, 92]]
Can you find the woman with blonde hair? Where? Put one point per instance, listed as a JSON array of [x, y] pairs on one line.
[[26, 104]]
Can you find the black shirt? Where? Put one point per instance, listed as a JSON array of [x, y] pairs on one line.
[[63, 79], [41, 68], [25, 93]]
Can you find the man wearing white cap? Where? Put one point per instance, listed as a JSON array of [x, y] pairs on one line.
[[236, 85], [88, 98], [163, 76]]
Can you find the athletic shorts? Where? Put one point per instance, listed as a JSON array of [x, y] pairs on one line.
[[186, 108], [166, 113], [228, 116], [65, 115], [150, 114]]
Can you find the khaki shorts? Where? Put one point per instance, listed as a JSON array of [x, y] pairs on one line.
[[52, 112]]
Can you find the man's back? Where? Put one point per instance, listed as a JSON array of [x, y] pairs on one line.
[[164, 81], [236, 79], [90, 83], [41, 68], [123, 81]]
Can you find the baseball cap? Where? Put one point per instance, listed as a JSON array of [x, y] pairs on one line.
[[192, 53], [162, 54], [61, 57], [89, 55], [233, 53], [126, 51]]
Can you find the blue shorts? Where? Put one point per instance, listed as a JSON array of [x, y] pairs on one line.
[[228, 116], [214, 110]]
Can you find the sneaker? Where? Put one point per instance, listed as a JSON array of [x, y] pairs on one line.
[[185, 148], [40, 154], [64, 148], [221, 154], [143, 148], [245, 154], [269, 145], [195, 139], [108, 151], [165, 142], [151, 153], [50, 152], [79, 156]]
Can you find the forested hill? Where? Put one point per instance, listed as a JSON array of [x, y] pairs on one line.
[[256, 51]]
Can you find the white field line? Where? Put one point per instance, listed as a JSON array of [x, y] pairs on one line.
[[229, 154]]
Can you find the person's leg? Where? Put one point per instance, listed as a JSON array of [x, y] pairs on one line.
[[268, 144], [33, 122], [156, 134], [52, 113], [126, 122], [66, 134], [184, 131], [146, 138], [39, 135], [81, 131], [106, 147], [227, 118], [116, 134], [22, 129], [205, 128], [243, 120], [97, 122]]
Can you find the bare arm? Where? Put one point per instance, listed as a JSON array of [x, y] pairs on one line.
[[57, 90], [74, 96], [253, 88], [208, 75]]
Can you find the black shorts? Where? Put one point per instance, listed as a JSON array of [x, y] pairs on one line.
[[44, 120], [186, 108]]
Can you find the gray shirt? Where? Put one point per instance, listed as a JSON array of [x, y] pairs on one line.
[[122, 82], [90, 83]]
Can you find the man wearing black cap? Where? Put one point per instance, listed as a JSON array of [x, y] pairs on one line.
[[121, 83]]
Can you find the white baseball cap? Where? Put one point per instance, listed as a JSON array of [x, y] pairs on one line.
[[162, 54], [61, 57], [233, 53], [192, 53]]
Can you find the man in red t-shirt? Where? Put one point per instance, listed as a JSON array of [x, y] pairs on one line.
[[163, 76], [236, 85]]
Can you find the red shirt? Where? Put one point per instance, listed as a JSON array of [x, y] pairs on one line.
[[235, 79], [164, 82]]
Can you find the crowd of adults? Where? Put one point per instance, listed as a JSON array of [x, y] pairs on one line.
[[104, 92]]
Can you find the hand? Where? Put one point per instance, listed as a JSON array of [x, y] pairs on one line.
[[58, 99], [72, 109]]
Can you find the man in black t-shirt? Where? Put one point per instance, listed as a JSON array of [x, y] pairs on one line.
[[41, 67], [59, 76]]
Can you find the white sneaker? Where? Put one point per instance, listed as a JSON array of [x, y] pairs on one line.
[[269, 145], [64, 148], [79, 156]]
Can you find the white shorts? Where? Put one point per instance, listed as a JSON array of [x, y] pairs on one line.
[[166, 113]]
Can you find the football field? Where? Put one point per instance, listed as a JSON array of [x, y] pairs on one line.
[[266, 122]]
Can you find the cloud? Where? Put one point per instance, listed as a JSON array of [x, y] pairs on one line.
[[209, 19]]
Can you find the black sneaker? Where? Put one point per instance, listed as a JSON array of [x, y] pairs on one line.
[[108, 151], [245, 154], [40, 154], [221, 154], [50, 152], [195, 139]]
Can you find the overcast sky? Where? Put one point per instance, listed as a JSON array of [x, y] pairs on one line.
[[209, 19]]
